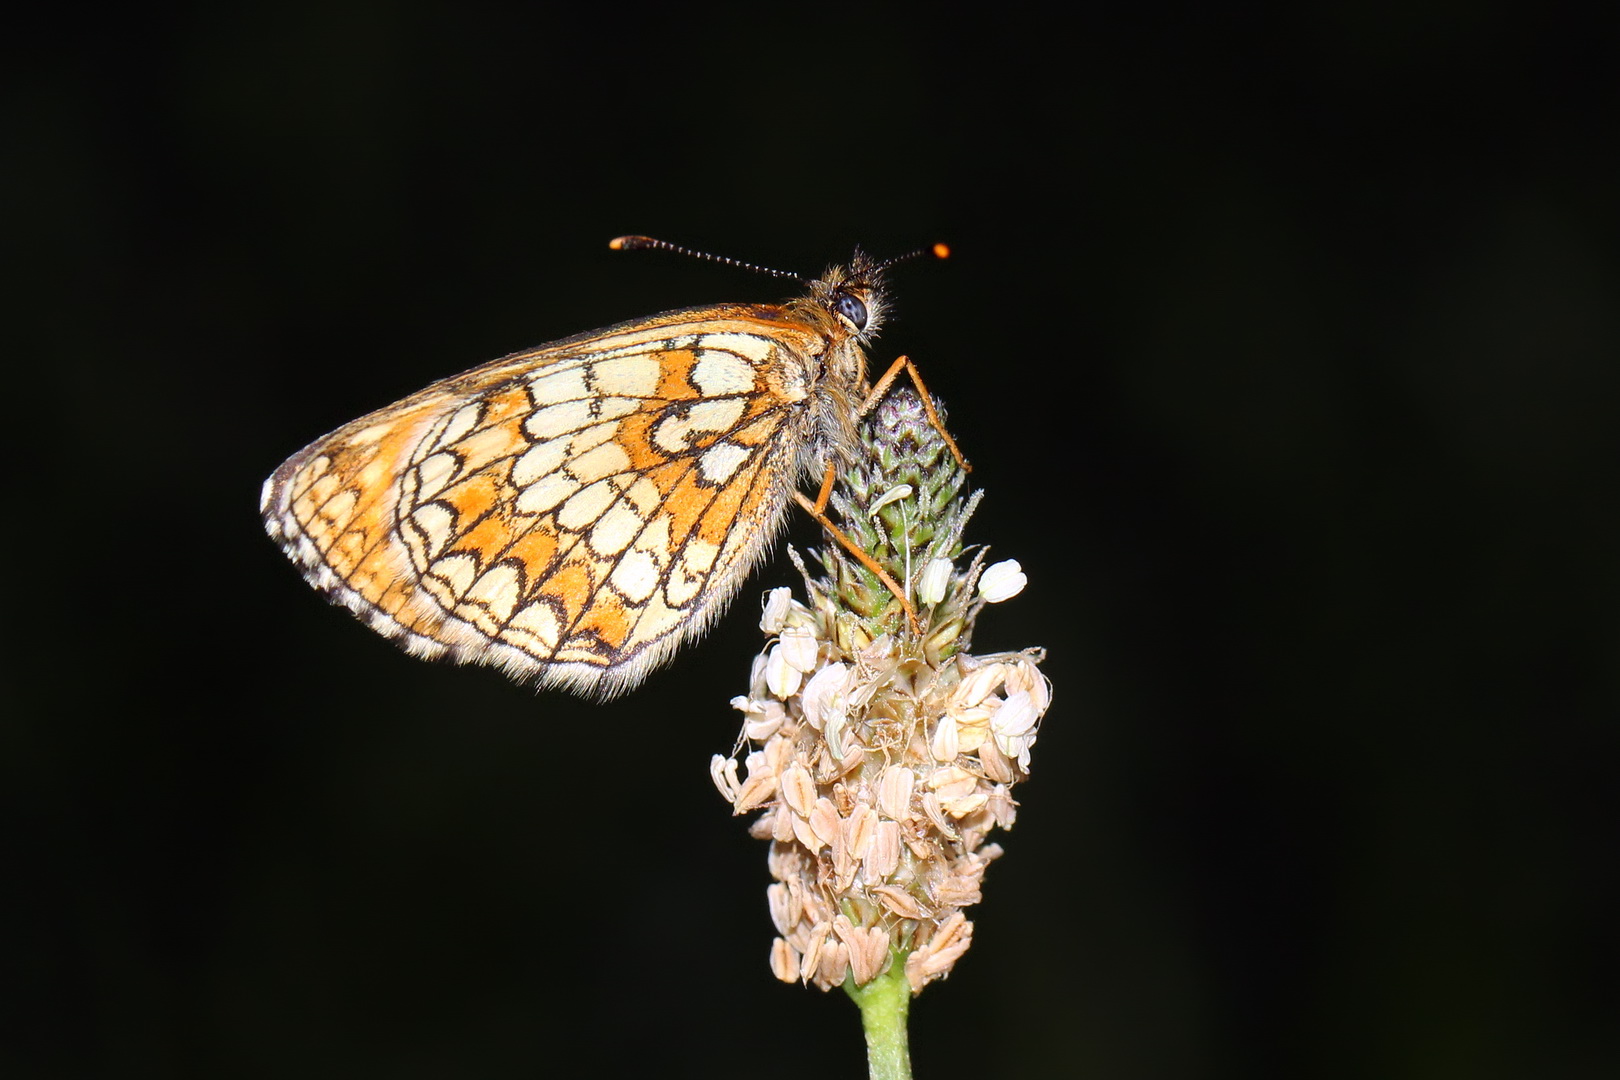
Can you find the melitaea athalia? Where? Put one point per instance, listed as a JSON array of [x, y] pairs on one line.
[[573, 513]]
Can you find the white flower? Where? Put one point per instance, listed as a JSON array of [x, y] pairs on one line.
[[778, 602], [825, 701], [798, 646], [782, 677], [1014, 727], [723, 771], [1002, 581], [894, 494], [935, 577]]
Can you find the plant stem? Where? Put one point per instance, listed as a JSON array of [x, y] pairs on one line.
[[884, 1003]]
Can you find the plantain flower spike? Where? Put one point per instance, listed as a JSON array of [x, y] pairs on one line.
[[881, 754]]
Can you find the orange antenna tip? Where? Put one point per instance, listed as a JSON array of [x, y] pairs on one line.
[[941, 251]]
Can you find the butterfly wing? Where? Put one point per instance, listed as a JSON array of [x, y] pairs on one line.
[[571, 514]]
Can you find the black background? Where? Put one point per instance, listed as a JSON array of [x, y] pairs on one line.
[[1284, 344]]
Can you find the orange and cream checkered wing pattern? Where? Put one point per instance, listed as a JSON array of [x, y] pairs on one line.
[[573, 513]]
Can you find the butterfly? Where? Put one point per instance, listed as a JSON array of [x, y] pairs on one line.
[[572, 514]]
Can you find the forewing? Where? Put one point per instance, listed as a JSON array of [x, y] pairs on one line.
[[571, 514]]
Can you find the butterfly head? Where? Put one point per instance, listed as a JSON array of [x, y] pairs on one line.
[[853, 295]]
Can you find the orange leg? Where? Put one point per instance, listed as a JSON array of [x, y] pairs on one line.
[[818, 509], [881, 387], [825, 493], [818, 512]]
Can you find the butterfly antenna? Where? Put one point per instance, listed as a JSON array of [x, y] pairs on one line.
[[938, 251], [635, 243]]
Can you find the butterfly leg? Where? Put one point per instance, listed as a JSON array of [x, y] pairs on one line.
[[825, 494], [818, 510], [881, 387]]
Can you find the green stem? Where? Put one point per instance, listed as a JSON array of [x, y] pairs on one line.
[[884, 1003]]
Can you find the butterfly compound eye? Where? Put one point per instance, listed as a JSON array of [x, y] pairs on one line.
[[851, 308]]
